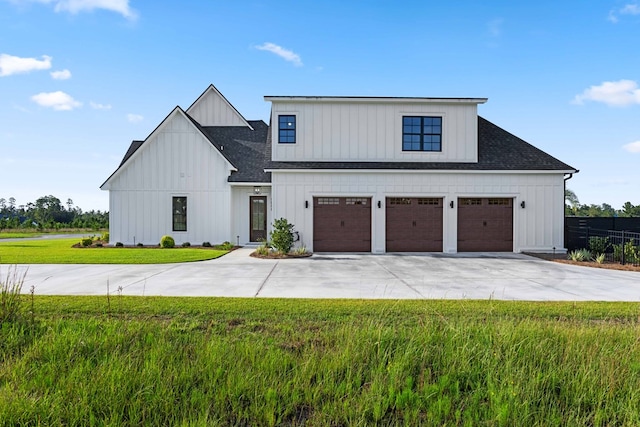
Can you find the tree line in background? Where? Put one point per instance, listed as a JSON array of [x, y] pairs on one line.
[[48, 212], [573, 207]]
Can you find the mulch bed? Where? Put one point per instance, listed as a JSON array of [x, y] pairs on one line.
[[97, 243], [277, 255], [562, 258]]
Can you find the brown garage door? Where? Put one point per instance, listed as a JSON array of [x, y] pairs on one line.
[[485, 225], [414, 224], [342, 224]]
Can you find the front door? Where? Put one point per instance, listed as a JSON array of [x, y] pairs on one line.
[[258, 218]]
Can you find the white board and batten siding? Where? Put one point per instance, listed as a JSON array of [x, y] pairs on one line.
[[176, 160], [371, 129], [537, 227], [213, 109]]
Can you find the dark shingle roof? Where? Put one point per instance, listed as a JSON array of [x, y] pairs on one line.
[[244, 148], [249, 151], [132, 149], [497, 150]]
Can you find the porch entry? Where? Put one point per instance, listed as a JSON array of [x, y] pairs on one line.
[[258, 218]]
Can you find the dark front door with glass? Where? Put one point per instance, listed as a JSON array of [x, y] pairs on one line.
[[258, 215]]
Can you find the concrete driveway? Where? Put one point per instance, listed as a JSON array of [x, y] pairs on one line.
[[365, 276]]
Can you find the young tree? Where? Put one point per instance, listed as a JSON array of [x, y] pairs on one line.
[[571, 202]]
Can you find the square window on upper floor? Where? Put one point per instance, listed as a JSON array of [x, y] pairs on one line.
[[286, 129], [421, 133]]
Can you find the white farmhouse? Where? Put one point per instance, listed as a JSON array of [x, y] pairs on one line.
[[354, 174]]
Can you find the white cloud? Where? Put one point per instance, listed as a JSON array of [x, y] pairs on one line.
[[616, 94], [76, 6], [10, 64], [632, 147], [61, 75], [283, 53], [134, 118], [97, 106], [627, 9], [59, 101]]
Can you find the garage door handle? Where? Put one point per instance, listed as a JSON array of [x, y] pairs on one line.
[[484, 223], [414, 223], [341, 223]]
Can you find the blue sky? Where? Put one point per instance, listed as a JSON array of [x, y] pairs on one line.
[[80, 79]]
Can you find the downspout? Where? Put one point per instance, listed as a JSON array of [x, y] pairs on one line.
[[564, 231], [567, 178]]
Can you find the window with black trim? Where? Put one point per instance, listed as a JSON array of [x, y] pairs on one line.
[[179, 206], [421, 133], [287, 129]]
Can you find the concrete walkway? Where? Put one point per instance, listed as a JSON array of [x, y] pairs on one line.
[[365, 276]]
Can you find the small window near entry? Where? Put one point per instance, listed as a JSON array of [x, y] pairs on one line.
[[179, 213], [470, 202], [287, 129], [421, 133]]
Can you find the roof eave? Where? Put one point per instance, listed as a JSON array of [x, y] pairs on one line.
[[376, 99]]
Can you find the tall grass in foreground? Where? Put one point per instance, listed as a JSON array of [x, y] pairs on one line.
[[223, 362], [10, 294]]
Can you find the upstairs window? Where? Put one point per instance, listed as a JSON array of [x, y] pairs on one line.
[[179, 210], [421, 133], [287, 129]]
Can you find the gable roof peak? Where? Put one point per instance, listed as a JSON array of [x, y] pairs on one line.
[[211, 108]]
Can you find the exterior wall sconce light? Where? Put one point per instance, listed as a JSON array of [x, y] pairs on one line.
[[257, 190], [306, 204], [451, 204], [379, 204], [522, 204]]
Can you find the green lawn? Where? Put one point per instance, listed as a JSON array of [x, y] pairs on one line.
[[18, 235], [260, 362], [60, 251]]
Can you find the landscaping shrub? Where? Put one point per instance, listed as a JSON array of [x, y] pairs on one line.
[[140, 244], [599, 245], [631, 252], [282, 235], [119, 244], [206, 244], [186, 244], [580, 255], [105, 237], [263, 249], [87, 241], [167, 242], [225, 246], [99, 245], [302, 250]]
